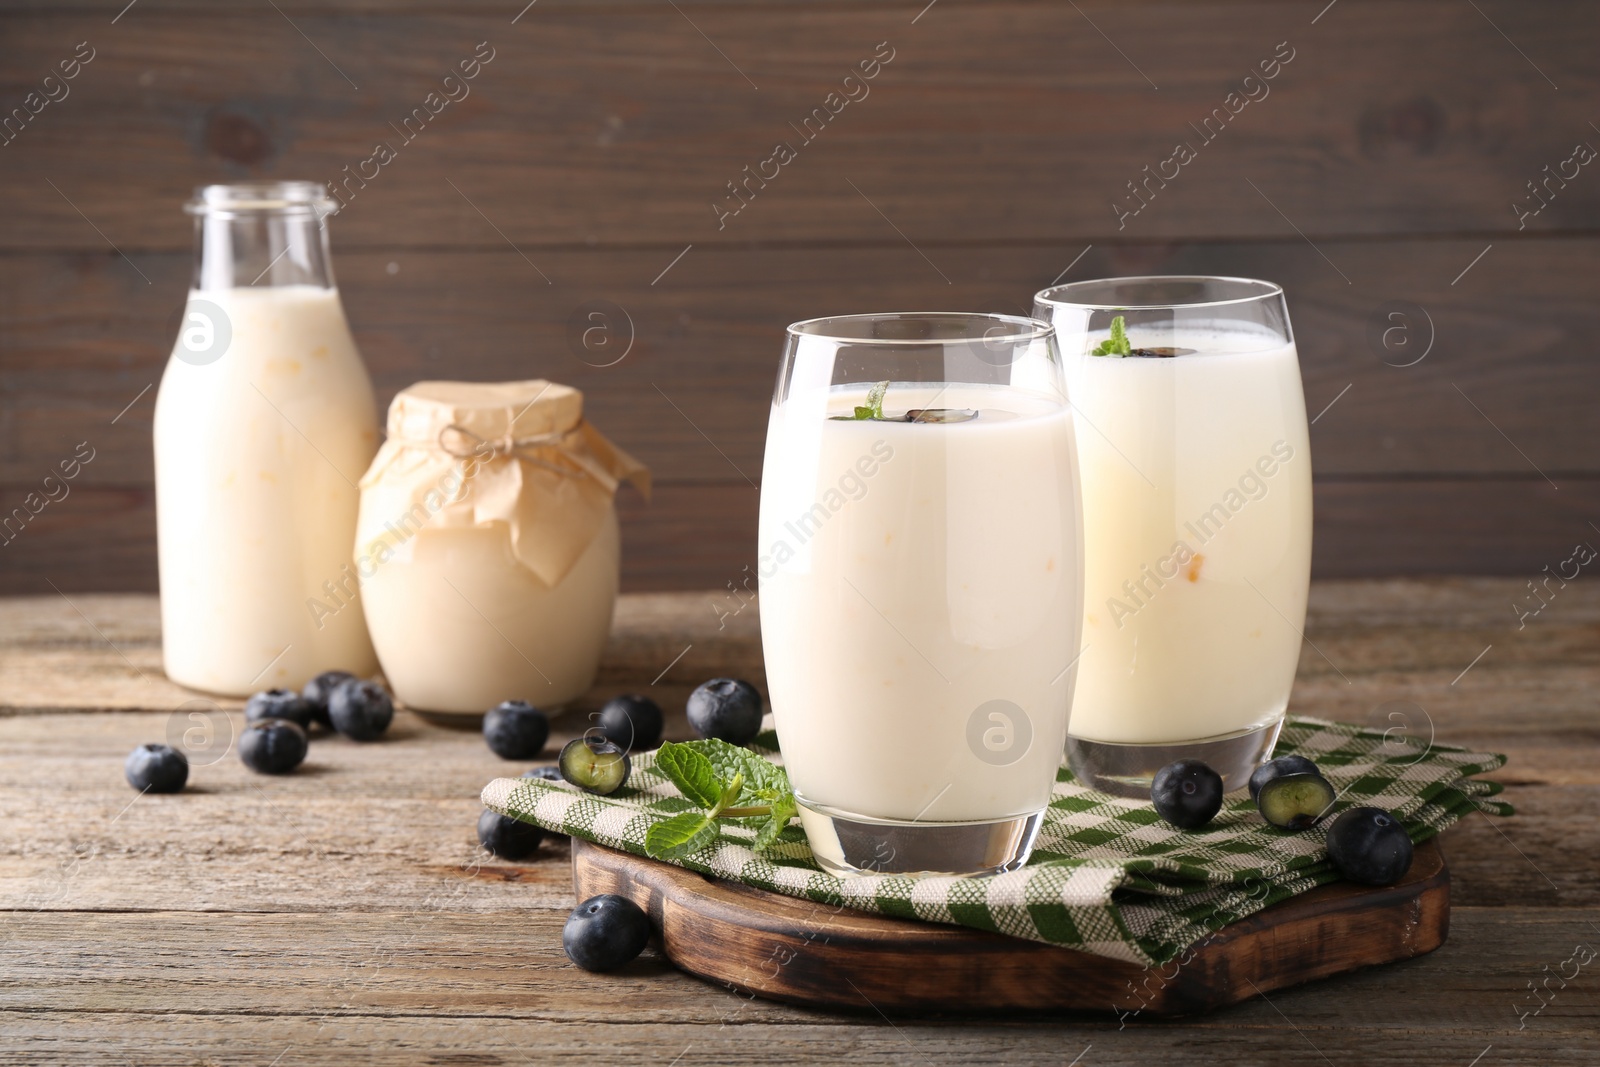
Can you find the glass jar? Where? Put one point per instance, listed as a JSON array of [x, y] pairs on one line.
[[263, 424], [487, 550]]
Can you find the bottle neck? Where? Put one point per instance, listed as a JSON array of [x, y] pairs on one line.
[[235, 250]]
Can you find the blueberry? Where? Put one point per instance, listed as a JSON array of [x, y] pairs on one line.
[[1187, 793], [1278, 768], [156, 769], [604, 932], [515, 729], [360, 710], [1369, 845], [318, 690], [279, 704], [272, 746], [508, 838], [595, 765], [726, 709], [632, 722], [549, 774], [1295, 801]]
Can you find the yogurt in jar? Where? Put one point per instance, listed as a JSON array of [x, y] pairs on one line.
[[487, 548]]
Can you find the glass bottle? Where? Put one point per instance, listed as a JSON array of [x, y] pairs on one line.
[[264, 424]]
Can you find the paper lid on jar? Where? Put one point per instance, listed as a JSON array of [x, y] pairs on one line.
[[467, 454]]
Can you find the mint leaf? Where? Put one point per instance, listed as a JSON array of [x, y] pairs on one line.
[[874, 405], [1117, 343], [691, 772], [763, 780], [783, 809], [730, 783], [682, 835]]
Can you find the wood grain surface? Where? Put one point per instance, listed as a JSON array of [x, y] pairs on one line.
[[1380, 169], [814, 955], [344, 914]]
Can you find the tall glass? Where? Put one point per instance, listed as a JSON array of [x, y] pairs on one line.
[[1197, 529], [920, 577]]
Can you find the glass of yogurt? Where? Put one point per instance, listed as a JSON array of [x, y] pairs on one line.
[[920, 585], [1196, 473]]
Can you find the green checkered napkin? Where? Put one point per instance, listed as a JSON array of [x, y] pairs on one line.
[[1107, 875]]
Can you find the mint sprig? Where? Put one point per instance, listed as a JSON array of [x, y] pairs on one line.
[[1117, 343], [727, 782], [874, 406]]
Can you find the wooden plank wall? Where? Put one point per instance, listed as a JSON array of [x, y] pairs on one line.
[[1382, 166]]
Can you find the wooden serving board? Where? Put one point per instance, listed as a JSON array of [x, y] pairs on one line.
[[813, 954]]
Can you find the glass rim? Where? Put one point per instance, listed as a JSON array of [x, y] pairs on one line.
[[242, 198], [1267, 291], [1032, 329]]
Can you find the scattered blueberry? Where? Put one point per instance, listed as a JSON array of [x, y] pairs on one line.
[[1295, 801], [1187, 793], [360, 710], [1278, 768], [726, 709], [506, 837], [595, 765], [632, 722], [604, 932], [515, 729], [318, 690], [549, 774], [1368, 845], [272, 746], [156, 769], [279, 704]]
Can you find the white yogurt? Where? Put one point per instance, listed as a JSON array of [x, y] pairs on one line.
[[911, 574], [1197, 537], [257, 456]]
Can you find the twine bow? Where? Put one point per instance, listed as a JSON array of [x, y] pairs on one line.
[[526, 449]]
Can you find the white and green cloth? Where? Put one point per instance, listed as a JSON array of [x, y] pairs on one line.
[[1107, 875]]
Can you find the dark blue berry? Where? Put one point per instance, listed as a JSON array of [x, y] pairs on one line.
[[726, 709], [319, 689], [156, 769], [1368, 845], [508, 838], [595, 765], [549, 774], [360, 710], [605, 932], [279, 704], [1278, 768], [1187, 793], [515, 729], [1295, 801], [632, 722], [272, 746]]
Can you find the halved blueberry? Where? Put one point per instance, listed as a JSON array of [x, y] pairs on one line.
[[604, 932], [632, 722], [279, 704], [508, 838], [272, 746], [156, 769], [1368, 845], [595, 765], [515, 729], [1295, 801], [360, 710], [1188, 794], [726, 709], [1277, 768]]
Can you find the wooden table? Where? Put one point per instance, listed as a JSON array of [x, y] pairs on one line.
[[345, 913]]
